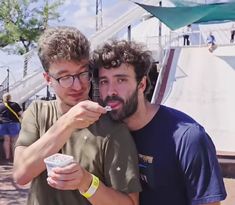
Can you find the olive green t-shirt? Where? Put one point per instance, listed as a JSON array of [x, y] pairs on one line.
[[105, 149]]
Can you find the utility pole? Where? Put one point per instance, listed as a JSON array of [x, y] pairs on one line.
[[8, 79], [129, 33], [99, 15], [160, 38], [94, 91], [160, 23]]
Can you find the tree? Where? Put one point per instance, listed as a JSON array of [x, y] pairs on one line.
[[24, 20]]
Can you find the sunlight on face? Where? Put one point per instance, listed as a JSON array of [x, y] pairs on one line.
[[128, 108], [118, 89], [78, 91]]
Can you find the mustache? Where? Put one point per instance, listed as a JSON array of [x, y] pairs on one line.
[[113, 98]]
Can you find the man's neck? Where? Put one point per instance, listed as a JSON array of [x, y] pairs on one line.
[[62, 107], [144, 114]]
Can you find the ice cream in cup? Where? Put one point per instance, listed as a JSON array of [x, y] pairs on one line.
[[108, 108], [57, 160]]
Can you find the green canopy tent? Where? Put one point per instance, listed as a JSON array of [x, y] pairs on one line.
[[177, 17]]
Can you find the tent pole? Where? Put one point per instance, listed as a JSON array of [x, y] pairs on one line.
[[160, 38]]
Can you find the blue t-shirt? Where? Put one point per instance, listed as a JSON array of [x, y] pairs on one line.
[[177, 161]]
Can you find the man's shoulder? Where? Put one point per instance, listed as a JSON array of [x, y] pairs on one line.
[[108, 127], [175, 115], [38, 104], [14, 105], [41, 108], [182, 124]]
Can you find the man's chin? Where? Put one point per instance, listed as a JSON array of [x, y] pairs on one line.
[[115, 115], [75, 101], [72, 103]]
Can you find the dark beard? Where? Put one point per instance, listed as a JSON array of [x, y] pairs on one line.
[[128, 109]]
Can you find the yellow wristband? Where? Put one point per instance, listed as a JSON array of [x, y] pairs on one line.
[[93, 187]]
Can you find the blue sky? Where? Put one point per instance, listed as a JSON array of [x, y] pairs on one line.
[[81, 13]]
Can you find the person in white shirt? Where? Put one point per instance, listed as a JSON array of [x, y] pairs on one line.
[[186, 36]]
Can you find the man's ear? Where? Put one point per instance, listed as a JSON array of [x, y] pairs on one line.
[[47, 78], [142, 84]]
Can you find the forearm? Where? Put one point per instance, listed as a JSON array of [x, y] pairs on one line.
[[31, 157], [215, 203], [74, 177], [106, 196]]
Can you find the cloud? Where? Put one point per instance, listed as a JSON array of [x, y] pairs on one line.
[[80, 14], [115, 10]]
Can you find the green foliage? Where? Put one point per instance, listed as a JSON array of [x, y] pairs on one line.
[[24, 20]]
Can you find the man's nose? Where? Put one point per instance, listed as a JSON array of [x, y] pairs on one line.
[[112, 90], [77, 84]]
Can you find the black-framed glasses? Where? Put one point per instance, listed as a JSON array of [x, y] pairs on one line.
[[68, 80]]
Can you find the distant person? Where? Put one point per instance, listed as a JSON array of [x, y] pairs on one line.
[[232, 33], [211, 42], [186, 34], [10, 114], [177, 158], [105, 167]]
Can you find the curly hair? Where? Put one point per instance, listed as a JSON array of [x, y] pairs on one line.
[[113, 54], [62, 43]]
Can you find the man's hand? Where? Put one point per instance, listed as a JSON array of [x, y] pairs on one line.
[[70, 177], [84, 114], [73, 177]]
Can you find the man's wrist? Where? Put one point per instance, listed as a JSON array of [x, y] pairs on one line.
[[86, 182], [92, 188]]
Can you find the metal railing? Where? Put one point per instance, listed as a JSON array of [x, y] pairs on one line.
[[197, 38]]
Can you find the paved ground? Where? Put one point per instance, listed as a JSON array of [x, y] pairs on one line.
[[230, 187], [12, 194]]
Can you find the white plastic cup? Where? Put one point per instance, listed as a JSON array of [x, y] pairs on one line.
[[57, 160]]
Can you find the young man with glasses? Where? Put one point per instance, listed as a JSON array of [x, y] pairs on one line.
[[104, 170]]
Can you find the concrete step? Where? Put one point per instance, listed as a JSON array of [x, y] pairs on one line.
[[227, 164]]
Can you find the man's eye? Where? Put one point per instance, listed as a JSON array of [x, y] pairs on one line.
[[121, 80], [84, 75], [103, 82], [66, 77]]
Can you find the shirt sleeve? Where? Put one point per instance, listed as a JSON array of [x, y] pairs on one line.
[[121, 162], [29, 132], [204, 182]]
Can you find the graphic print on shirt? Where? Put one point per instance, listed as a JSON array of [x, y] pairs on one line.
[[147, 171]]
